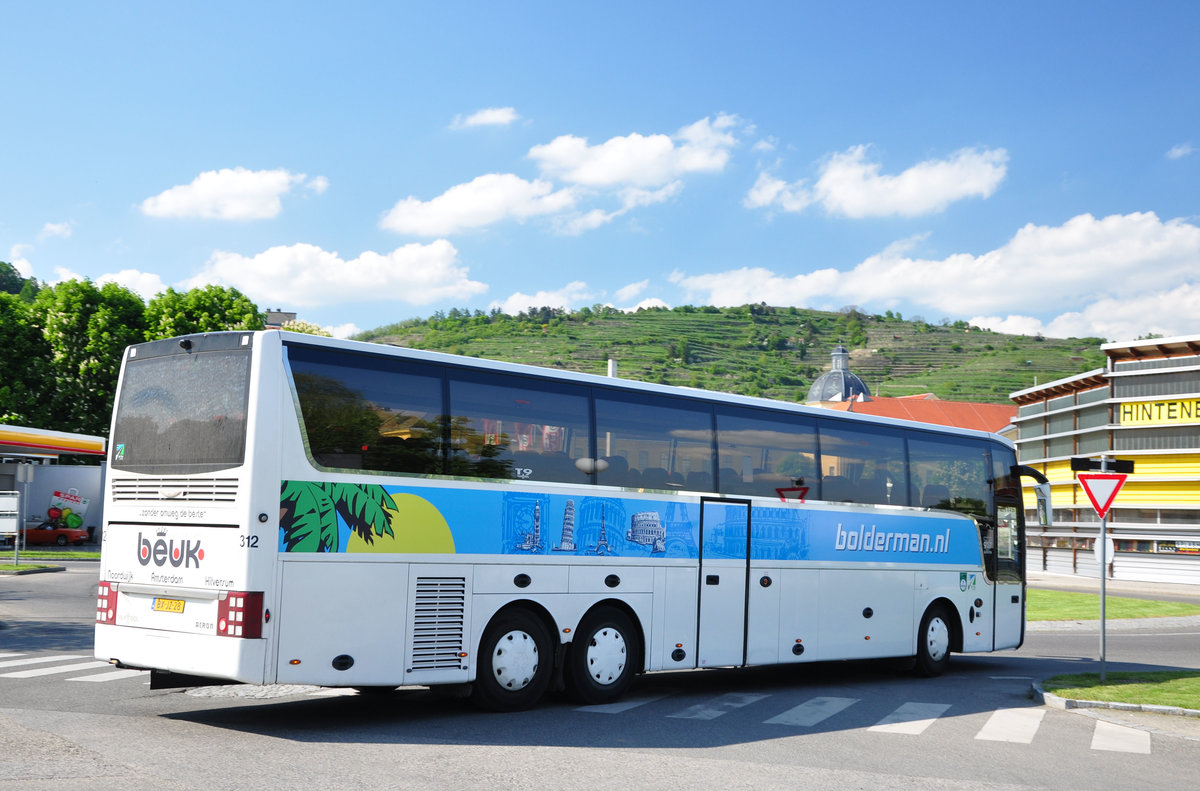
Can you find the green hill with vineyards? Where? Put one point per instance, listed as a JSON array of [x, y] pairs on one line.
[[757, 349]]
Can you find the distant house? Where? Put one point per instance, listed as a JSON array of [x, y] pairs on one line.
[[276, 318]]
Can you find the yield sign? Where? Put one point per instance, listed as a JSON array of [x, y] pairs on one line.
[[1102, 488]]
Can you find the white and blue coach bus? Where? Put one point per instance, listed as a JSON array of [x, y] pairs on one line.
[[283, 508]]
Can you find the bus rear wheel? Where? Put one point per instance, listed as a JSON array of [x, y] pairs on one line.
[[515, 662], [933, 642], [602, 659]]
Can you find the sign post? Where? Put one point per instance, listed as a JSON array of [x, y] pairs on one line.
[[1101, 489]]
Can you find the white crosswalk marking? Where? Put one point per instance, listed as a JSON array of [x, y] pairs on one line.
[[38, 660], [1120, 739], [718, 706], [811, 712], [1012, 725], [911, 718], [49, 671], [620, 706], [112, 675]]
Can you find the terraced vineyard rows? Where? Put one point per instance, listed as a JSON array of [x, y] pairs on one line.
[[757, 349]]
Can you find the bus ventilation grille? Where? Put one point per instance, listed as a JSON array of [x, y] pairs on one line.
[[439, 609], [175, 490]]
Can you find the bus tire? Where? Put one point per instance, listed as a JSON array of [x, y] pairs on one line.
[[515, 662], [602, 658], [933, 642]]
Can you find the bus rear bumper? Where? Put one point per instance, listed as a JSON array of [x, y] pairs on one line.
[[214, 659]]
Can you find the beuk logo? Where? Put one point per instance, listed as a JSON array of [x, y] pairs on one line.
[[161, 552]]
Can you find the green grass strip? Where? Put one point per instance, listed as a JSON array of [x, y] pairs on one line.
[[1158, 688], [1050, 605]]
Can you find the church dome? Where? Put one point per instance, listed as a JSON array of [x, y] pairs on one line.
[[839, 384]]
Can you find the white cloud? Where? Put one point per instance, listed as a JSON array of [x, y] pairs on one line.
[[850, 185], [652, 302], [146, 285], [635, 160], [1179, 151], [317, 184], [769, 191], [630, 198], [230, 194], [1172, 312], [485, 200], [305, 275], [490, 116], [1086, 266], [16, 257], [343, 330], [567, 297], [631, 291], [62, 229], [62, 275]]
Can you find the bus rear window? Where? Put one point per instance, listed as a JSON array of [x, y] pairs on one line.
[[182, 413]]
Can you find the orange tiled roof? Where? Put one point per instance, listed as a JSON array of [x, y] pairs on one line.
[[927, 408]]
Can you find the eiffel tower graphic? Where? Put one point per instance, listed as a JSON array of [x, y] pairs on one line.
[[601, 547], [532, 542]]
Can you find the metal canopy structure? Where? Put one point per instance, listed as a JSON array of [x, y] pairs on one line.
[[40, 443]]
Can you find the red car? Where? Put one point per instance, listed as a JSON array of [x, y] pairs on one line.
[[54, 534]]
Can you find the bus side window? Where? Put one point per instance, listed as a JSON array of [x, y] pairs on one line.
[[367, 413], [862, 464], [507, 426], [763, 453], [661, 441]]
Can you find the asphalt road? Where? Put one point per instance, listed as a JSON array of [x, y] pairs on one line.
[[830, 726]]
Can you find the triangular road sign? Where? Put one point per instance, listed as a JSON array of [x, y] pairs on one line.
[[1102, 488]]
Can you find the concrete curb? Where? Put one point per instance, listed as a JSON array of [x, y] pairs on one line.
[[39, 570], [1056, 702]]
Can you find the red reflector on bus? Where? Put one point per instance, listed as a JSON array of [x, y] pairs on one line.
[[106, 602], [239, 614]]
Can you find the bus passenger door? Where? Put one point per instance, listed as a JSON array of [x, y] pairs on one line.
[[1007, 566], [724, 571]]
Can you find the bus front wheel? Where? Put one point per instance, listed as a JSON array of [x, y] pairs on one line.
[[933, 642], [602, 658], [515, 662]]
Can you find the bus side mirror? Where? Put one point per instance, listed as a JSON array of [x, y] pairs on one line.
[[1042, 493]]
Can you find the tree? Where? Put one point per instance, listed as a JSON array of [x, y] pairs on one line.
[[11, 281], [306, 327], [24, 359], [208, 309], [87, 329]]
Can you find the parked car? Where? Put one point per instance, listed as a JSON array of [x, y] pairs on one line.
[[50, 533]]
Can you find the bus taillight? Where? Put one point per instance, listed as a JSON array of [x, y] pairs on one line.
[[239, 614], [106, 603]]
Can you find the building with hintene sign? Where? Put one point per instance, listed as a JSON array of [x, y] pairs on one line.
[[1144, 407]]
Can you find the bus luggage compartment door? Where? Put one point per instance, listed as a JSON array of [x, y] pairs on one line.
[[724, 571]]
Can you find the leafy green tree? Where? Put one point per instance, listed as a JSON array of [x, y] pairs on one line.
[[208, 309], [24, 364], [11, 281], [87, 329], [306, 327]]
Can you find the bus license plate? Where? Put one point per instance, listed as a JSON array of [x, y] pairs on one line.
[[168, 605]]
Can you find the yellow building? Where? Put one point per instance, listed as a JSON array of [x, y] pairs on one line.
[[1144, 407]]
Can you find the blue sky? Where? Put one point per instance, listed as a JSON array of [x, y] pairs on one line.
[[1030, 167]]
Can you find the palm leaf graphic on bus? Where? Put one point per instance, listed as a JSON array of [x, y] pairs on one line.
[[309, 512]]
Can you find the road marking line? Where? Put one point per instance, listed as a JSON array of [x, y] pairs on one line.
[[48, 671], [911, 718], [6, 656], [1012, 725], [620, 705], [37, 660], [811, 712], [112, 675], [718, 706], [1120, 739]]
